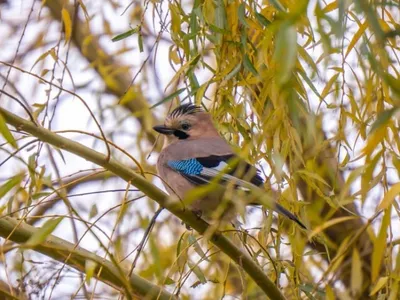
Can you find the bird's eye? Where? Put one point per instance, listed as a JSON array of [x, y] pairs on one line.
[[185, 126]]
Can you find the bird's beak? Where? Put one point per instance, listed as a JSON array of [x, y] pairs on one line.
[[163, 130]]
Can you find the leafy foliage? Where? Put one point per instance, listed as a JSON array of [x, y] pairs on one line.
[[307, 90]]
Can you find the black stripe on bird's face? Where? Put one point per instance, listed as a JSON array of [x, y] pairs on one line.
[[180, 134]]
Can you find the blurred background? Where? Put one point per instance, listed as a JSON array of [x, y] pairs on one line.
[[306, 90]]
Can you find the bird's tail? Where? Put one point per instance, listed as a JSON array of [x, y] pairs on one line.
[[283, 211]]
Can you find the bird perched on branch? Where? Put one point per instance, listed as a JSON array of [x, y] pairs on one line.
[[194, 154]]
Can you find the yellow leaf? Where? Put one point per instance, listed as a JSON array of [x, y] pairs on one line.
[[328, 86], [330, 223], [175, 19], [330, 7], [330, 295], [389, 196], [6, 133], [41, 57], [379, 285], [394, 289], [374, 139], [90, 267], [313, 176], [67, 24], [356, 37], [356, 273], [42, 233], [379, 247]]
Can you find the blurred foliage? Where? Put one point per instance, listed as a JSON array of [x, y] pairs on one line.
[[307, 90]]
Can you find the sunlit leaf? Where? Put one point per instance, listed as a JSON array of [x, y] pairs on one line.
[[356, 273], [43, 232], [383, 118], [285, 53], [169, 97], [197, 271], [10, 184], [379, 285], [249, 65], [380, 246], [90, 267], [66, 18], [393, 192], [125, 34], [6, 133], [356, 38], [330, 223]]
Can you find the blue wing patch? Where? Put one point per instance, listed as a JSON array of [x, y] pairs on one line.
[[188, 167], [201, 170]]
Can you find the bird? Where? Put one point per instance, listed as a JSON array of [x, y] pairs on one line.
[[194, 154]]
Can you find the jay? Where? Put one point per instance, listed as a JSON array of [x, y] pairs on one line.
[[195, 154]]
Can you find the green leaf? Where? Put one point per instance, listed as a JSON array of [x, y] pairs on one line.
[[66, 18], [278, 5], [11, 183], [249, 66], [43, 232], [93, 211], [380, 247], [125, 34], [197, 271], [166, 99], [263, 20], [6, 133], [90, 267], [383, 118], [285, 53], [242, 15], [193, 242], [140, 42], [234, 71], [40, 195]]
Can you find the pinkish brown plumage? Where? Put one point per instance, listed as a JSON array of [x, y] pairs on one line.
[[195, 154]]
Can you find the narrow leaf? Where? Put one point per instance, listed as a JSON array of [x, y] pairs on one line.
[[329, 85], [67, 24], [383, 118], [125, 34], [6, 133], [379, 285], [249, 66], [356, 273], [390, 196], [171, 96], [263, 20], [90, 267], [330, 223], [12, 182], [285, 53], [196, 270], [379, 247], [356, 37], [42, 233]]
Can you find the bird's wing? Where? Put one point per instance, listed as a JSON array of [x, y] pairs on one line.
[[226, 169], [223, 168]]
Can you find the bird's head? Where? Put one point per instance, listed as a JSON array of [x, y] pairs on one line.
[[187, 121]]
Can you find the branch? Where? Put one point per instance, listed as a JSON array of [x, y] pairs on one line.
[[76, 257], [124, 172], [68, 185], [113, 74]]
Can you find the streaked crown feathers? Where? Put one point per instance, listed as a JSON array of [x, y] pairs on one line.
[[185, 109]]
